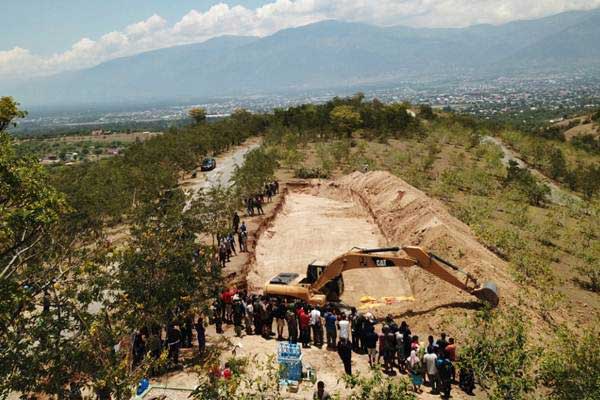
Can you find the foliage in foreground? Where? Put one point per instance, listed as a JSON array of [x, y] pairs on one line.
[[497, 351], [571, 366], [377, 387]]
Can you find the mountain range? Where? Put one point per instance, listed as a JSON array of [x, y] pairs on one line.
[[328, 54]]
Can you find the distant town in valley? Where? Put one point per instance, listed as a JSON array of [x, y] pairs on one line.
[[524, 101]]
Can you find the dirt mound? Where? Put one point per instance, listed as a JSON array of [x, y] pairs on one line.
[[407, 216]]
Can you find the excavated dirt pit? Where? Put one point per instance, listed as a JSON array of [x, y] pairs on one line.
[[311, 227], [320, 220]]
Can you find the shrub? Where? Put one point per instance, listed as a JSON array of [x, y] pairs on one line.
[[377, 387], [497, 352], [571, 366], [309, 173]]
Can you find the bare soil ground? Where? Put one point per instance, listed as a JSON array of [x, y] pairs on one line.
[[584, 129], [312, 228]]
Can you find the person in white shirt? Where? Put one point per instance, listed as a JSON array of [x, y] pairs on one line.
[[344, 327], [317, 327], [432, 371]]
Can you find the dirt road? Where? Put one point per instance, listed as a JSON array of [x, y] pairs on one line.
[[223, 172], [312, 228], [557, 194]]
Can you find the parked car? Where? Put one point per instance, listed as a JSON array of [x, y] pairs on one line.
[[208, 164]]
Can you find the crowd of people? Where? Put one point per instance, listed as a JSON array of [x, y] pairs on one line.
[[254, 203], [239, 232], [394, 347], [388, 345]]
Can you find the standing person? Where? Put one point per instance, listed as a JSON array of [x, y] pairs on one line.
[[201, 334], [416, 371], [258, 204], [344, 327], [442, 342], [406, 338], [227, 298], [315, 323], [174, 343], [231, 243], [430, 344], [222, 254], [268, 192], [139, 348], [218, 316], [444, 367], [249, 319], [242, 239], [304, 319], [451, 351], [292, 325], [235, 223], [276, 183], [238, 316], [389, 349], [345, 351], [429, 360], [400, 356], [357, 331], [320, 393], [371, 339], [186, 332], [466, 379], [279, 313], [250, 206], [243, 227], [330, 328], [266, 318], [257, 307]]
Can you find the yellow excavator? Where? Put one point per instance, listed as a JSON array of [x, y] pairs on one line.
[[324, 283]]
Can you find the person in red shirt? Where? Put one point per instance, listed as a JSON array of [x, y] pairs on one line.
[[227, 297], [451, 352], [304, 319]]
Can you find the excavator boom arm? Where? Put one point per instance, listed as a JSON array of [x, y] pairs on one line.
[[372, 258]]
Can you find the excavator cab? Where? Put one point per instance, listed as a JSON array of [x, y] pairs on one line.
[[333, 289]]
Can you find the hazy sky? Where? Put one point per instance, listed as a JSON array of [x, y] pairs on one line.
[[41, 37]]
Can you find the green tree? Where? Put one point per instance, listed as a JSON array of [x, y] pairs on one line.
[[497, 351], [9, 112], [426, 112], [557, 167], [572, 374], [198, 114], [345, 119], [214, 209], [163, 270], [258, 169], [376, 386]]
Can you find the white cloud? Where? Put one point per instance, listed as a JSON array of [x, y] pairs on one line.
[[223, 19]]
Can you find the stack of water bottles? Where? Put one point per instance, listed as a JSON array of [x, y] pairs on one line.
[[289, 358]]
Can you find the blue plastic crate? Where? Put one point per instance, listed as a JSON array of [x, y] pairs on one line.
[[289, 350], [291, 368]]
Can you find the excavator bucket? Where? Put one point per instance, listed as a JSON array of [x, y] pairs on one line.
[[488, 293]]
